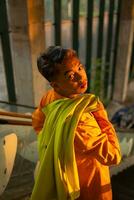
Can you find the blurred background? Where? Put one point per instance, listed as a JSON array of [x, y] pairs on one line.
[[102, 33]]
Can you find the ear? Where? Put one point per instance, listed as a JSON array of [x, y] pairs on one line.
[[54, 85]]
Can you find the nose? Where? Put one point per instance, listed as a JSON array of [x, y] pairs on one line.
[[78, 77]]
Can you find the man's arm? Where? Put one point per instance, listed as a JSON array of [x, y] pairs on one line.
[[38, 116], [38, 119], [103, 146]]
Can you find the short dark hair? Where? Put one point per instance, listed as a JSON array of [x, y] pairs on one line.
[[53, 56]]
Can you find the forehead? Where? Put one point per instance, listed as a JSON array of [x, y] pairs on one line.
[[69, 64], [71, 61]]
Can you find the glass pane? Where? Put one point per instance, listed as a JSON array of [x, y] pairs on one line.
[[48, 10], [49, 19], [3, 86], [83, 8], [66, 23]]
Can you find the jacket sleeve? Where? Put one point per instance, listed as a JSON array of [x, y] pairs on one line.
[[104, 145], [38, 116], [38, 119]]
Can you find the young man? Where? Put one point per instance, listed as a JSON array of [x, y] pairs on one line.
[[77, 143]]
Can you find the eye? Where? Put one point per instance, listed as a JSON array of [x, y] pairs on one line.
[[80, 67], [70, 76]]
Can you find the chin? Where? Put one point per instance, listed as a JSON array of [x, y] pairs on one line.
[[83, 90]]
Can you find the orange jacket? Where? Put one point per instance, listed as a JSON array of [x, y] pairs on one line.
[[94, 151]]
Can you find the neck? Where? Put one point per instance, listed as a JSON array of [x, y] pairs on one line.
[[73, 96], [59, 95]]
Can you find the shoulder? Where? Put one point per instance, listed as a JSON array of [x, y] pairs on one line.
[[100, 105], [47, 98]]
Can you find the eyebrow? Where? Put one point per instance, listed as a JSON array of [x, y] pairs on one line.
[[67, 72], [70, 69]]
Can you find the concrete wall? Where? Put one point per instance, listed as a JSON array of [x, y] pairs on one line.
[[124, 51], [27, 42]]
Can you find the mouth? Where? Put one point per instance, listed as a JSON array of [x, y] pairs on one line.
[[83, 84]]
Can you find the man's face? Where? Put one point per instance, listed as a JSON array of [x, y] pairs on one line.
[[71, 79]]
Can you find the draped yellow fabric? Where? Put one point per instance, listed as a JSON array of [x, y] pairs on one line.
[[57, 177]]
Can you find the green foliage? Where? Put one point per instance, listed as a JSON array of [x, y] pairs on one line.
[[98, 79]]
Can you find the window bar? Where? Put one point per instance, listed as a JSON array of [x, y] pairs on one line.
[[89, 40], [75, 27], [108, 48], [131, 73], [97, 87], [57, 21], [7, 52], [115, 45]]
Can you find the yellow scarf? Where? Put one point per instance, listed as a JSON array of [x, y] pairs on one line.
[[57, 177]]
